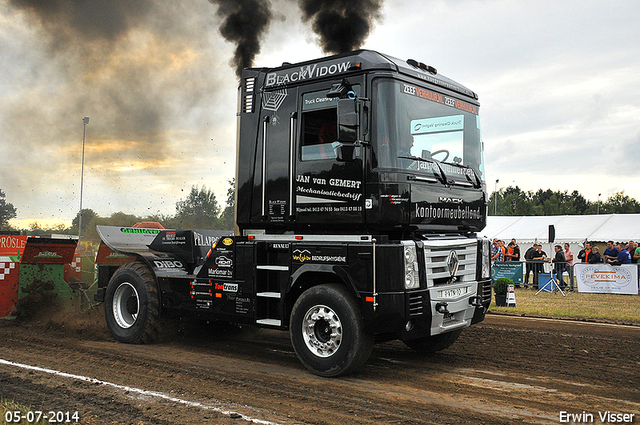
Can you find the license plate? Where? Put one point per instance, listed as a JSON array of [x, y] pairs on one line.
[[453, 293]]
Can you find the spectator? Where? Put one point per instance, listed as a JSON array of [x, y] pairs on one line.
[[504, 250], [513, 253], [539, 257], [611, 253], [635, 256], [528, 257], [509, 253], [595, 257], [583, 255], [540, 254], [632, 250], [623, 256], [568, 256], [559, 264], [496, 251]]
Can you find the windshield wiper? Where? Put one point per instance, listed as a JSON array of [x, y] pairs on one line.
[[478, 182], [442, 176]]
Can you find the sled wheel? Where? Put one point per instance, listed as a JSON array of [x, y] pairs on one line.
[[433, 344], [132, 304], [327, 331]]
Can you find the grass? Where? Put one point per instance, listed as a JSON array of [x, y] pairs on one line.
[[624, 308], [88, 270], [9, 410]]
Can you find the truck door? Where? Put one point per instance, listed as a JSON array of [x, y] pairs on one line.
[[325, 190], [278, 118]]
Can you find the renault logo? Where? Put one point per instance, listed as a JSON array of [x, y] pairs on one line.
[[453, 263]]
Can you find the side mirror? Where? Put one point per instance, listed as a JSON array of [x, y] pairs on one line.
[[347, 120], [345, 152]]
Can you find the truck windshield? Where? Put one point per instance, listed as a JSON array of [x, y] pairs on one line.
[[423, 131]]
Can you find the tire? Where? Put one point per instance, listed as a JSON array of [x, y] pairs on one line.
[[327, 331], [433, 344], [132, 304]]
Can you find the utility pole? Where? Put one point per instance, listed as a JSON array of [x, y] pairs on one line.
[[495, 198], [85, 121]]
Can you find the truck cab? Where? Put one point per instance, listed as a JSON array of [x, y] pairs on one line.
[[359, 141], [359, 192]]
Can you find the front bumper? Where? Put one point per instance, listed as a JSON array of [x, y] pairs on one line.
[[426, 312]]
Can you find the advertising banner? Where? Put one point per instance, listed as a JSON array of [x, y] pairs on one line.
[[510, 269], [12, 245], [607, 279]]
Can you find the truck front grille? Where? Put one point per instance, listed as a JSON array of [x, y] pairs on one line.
[[436, 254]]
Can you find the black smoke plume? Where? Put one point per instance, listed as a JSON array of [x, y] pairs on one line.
[[343, 25], [140, 69], [244, 23], [86, 19]]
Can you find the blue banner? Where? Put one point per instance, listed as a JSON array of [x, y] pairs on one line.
[[510, 269]]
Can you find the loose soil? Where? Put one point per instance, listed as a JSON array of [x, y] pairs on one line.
[[505, 370]]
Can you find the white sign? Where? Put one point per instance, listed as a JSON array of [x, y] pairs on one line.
[[434, 125], [607, 279]]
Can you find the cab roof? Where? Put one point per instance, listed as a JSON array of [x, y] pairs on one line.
[[365, 60]]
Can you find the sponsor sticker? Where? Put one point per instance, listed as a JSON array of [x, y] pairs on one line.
[[168, 264], [227, 287], [304, 255], [439, 98], [224, 262], [139, 231], [48, 254]]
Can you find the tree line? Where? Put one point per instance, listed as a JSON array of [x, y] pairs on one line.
[[516, 202], [200, 209]]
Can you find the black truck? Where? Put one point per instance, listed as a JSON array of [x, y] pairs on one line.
[[359, 193]]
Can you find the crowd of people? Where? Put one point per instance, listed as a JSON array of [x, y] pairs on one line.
[[563, 260]]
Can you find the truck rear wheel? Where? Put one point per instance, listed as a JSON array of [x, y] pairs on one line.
[[433, 344], [132, 305], [327, 331]]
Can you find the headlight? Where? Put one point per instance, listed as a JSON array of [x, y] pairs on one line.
[[411, 274], [486, 259]]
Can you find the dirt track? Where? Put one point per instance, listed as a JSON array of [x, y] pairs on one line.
[[505, 370]]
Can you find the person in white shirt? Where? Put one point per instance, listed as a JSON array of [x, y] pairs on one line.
[[568, 256]]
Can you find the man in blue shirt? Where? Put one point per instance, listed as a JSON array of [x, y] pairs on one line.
[[611, 253], [623, 256]]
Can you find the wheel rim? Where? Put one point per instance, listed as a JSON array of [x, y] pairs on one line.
[[322, 331], [126, 305]]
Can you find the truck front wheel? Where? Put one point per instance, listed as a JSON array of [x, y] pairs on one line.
[[327, 331], [132, 305], [433, 344]]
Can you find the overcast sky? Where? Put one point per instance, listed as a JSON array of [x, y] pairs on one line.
[[558, 81]]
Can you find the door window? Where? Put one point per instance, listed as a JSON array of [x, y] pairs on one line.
[[319, 134]]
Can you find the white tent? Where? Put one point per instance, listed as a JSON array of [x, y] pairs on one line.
[[574, 229]]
